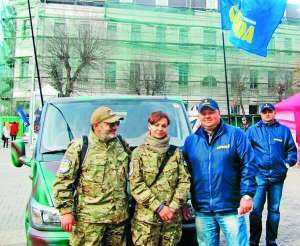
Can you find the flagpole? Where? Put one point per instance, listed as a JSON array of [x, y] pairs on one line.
[[226, 80], [35, 55]]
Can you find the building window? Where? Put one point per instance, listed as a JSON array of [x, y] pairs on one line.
[[198, 4], [145, 2], [26, 28], [209, 81], [288, 45], [84, 75], [161, 35], [135, 74], [209, 51], [253, 79], [59, 29], [183, 72], [85, 27], [253, 109], [111, 30], [178, 3], [271, 47], [209, 36], [110, 75], [235, 77], [136, 32], [183, 36], [160, 73], [271, 79], [24, 67], [235, 109]]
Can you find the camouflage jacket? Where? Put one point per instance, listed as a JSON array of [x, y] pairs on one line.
[[102, 196], [171, 188]]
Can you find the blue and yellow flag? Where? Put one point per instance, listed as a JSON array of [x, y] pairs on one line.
[[22, 116], [253, 23], [229, 10]]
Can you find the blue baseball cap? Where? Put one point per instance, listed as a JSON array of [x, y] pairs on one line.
[[208, 103], [265, 106]]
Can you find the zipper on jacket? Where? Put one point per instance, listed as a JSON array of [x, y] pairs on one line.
[[209, 177]]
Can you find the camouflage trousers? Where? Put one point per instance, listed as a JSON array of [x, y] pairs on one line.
[[155, 234], [92, 234]]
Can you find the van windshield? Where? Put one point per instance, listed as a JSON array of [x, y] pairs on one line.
[[55, 135]]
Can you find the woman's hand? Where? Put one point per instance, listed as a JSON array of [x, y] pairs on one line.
[[186, 212]]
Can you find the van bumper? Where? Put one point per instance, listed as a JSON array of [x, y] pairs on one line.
[[51, 238]]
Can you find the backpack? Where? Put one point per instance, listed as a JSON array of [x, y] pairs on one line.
[[82, 155]]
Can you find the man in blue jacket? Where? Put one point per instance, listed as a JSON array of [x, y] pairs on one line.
[[275, 151], [221, 163]]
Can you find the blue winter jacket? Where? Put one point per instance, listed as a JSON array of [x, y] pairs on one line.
[[273, 147], [221, 172]]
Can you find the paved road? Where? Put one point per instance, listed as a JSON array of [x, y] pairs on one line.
[[14, 192], [15, 189]]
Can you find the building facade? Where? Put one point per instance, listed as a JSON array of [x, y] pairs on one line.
[[154, 47]]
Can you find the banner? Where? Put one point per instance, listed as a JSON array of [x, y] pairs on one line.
[[253, 22], [228, 9], [23, 117]]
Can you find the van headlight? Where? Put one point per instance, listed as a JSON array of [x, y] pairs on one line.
[[43, 217]]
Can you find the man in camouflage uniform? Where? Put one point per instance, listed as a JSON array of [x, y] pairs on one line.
[[102, 204]]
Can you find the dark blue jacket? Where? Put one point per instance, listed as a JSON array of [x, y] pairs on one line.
[[221, 172], [273, 147]]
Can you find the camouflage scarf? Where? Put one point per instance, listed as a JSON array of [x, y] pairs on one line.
[[157, 145]]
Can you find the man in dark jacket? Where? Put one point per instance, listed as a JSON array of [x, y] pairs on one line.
[[275, 151], [222, 168]]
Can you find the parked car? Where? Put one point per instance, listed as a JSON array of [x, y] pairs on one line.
[[63, 119]]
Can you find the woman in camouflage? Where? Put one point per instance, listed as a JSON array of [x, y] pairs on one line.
[[157, 218]]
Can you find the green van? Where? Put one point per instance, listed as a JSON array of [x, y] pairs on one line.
[[65, 118]]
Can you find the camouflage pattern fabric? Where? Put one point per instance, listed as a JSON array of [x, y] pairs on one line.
[[92, 234], [154, 235], [102, 196], [171, 189]]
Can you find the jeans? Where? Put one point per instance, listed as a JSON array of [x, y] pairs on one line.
[[233, 226], [273, 191]]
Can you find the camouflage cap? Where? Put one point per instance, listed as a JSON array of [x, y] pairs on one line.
[[104, 114]]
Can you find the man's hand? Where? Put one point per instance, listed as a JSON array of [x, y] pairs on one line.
[[186, 212], [67, 221], [245, 205], [166, 214]]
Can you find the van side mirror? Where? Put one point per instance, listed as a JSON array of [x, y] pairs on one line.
[[18, 157]]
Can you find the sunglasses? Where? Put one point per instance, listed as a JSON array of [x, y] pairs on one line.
[[112, 124]]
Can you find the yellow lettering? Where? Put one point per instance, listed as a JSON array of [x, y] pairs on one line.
[[239, 27], [226, 146], [248, 35], [233, 12]]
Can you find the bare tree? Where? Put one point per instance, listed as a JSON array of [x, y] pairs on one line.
[[69, 56], [6, 88], [284, 87], [238, 86], [147, 78], [296, 84]]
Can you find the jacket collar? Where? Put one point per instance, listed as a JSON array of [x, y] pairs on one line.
[[220, 129], [263, 124]]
